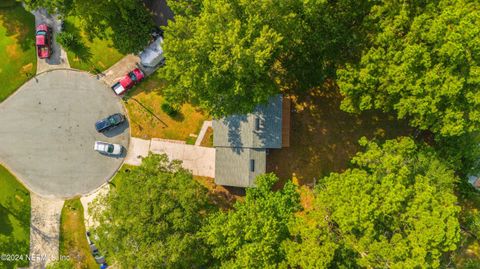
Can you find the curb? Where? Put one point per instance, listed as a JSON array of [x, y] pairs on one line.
[[108, 178]]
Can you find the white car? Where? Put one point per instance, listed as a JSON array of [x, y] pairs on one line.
[[107, 148]]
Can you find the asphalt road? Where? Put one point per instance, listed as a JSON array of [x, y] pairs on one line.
[[47, 133]]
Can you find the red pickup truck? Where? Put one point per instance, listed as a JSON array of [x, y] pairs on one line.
[[127, 82], [43, 40]]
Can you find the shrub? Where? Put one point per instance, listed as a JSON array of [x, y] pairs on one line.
[[169, 109], [67, 40]]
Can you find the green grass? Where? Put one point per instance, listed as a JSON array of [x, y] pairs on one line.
[[18, 61], [93, 55], [148, 120], [73, 242], [14, 219]]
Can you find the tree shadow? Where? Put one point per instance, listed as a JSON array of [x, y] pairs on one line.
[[178, 116], [6, 226], [81, 51], [332, 38], [19, 24], [14, 247], [20, 210], [325, 137]]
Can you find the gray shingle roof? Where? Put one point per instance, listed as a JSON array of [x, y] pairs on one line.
[[240, 131], [242, 139], [233, 166]]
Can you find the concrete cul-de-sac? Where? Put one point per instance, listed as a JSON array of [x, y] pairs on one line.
[[47, 133]]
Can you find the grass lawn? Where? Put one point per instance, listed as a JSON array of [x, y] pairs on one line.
[[73, 242], [14, 219], [323, 138], [147, 119], [94, 55], [17, 47]]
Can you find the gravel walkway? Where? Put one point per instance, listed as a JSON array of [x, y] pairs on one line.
[[44, 230]]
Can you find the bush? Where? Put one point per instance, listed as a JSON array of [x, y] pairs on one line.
[[169, 109], [67, 40]]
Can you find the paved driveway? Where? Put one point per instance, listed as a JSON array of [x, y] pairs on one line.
[[47, 133], [120, 69], [59, 58]]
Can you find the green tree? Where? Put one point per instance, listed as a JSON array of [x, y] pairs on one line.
[[129, 19], [250, 235], [229, 56], [396, 208], [312, 243], [150, 219], [67, 40], [222, 59], [52, 6], [423, 62]]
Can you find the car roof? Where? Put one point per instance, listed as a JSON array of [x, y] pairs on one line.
[[125, 81], [40, 39]]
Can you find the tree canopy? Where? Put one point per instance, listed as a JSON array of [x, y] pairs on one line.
[[229, 56], [423, 62], [396, 208], [150, 219], [129, 20], [222, 59], [251, 235]]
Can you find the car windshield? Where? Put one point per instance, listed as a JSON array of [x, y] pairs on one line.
[[132, 76], [41, 33], [110, 148], [112, 120]]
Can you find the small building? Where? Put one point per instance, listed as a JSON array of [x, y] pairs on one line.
[[242, 142], [152, 56]]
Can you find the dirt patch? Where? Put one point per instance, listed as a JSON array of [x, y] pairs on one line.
[[221, 196], [12, 51], [27, 69], [325, 138], [208, 138]]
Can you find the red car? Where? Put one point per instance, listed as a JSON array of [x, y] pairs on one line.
[[44, 41], [128, 81]]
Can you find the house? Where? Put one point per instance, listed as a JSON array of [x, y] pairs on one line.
[[242, 142]]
